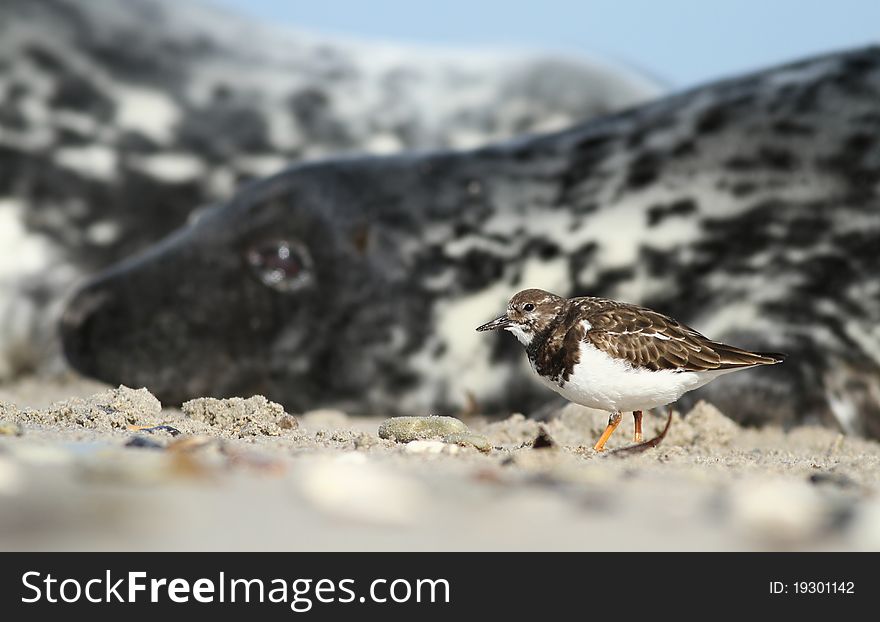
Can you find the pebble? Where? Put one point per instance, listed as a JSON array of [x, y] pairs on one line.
[[406, 429], [9, 428]]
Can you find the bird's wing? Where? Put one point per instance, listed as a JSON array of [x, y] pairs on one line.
[[649, 339]]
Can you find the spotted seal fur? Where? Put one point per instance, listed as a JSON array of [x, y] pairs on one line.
[[119, 118], [748, 208]]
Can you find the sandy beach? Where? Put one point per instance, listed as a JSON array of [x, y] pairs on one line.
[[84, 466]]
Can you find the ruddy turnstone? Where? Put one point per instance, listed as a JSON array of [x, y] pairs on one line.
[[616, 356]]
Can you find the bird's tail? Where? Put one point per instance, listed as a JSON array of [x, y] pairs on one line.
[[732, 357], [776, 357]]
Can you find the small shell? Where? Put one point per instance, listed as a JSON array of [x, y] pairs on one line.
[[154, 428]]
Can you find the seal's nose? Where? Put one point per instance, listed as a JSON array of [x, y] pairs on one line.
[[83, 318]]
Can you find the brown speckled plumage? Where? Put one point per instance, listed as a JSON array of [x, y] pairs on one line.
[[642, 337], [616, 356]]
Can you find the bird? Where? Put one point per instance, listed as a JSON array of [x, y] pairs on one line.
[[615, 356]]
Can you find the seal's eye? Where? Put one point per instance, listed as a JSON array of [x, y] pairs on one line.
[[281, 264], [528, 307]]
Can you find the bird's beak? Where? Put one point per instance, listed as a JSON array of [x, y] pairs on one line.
[[501, 322]]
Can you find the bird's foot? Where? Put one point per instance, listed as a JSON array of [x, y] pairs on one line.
[[613, 422], [637, 426]]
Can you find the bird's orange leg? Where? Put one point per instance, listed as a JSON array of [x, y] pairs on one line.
[[637, 434], [613, 422]]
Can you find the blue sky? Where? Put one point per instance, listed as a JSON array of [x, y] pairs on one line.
[[681, 41]]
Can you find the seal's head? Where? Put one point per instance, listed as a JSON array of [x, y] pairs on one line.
[[264, 294]]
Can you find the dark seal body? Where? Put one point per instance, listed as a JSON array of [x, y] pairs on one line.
[[119, 118], [747, 208]]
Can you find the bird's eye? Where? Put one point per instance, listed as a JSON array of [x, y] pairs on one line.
[[528, 307], [283, 265]]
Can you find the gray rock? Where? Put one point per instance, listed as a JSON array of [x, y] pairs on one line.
[[406, 429]]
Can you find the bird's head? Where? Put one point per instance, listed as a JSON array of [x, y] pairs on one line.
[[529, 313]]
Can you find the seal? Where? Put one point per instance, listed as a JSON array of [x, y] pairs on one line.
[[747, 208], [120, 118]]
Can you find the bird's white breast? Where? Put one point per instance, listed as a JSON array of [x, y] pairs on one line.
[[524, 335], [601, 381]]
